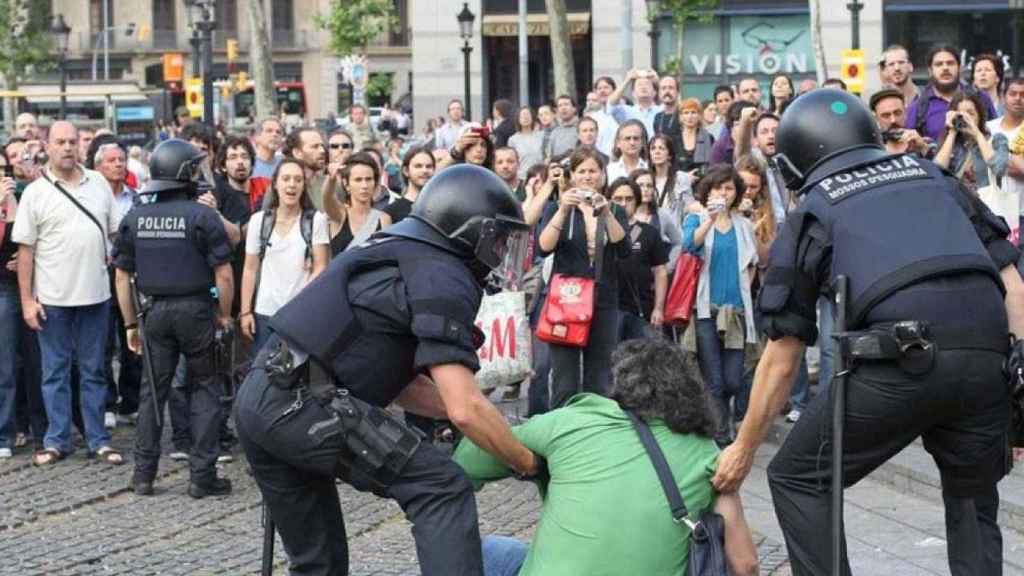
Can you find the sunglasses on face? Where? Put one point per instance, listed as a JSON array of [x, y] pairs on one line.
[[341, 145]]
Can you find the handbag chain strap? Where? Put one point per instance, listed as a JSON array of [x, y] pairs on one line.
[[680, 515]]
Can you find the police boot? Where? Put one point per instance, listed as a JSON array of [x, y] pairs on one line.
[[141, 486], [218, 487]]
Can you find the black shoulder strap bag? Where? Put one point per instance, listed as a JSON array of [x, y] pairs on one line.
[[707, 534], [103, 234]]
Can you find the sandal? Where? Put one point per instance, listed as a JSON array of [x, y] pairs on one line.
[[47, 456], [109, 456]]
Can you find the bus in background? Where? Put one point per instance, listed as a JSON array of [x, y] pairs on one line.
[[290, 98]]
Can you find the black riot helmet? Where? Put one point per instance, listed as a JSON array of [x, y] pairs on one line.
[[824, 131], [174, 166], [468, 210]]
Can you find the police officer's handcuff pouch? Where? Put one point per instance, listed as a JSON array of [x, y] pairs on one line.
[[380, 444]]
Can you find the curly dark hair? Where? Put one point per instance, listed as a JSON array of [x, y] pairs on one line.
[[715, 177], [233, 141], [654, 378]]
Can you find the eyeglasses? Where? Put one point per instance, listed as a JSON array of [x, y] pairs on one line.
[[342, 145]]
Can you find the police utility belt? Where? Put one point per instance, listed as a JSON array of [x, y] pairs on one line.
[[911, 344], [380, 445]]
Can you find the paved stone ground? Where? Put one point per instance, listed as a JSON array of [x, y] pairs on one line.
[[79, 518]]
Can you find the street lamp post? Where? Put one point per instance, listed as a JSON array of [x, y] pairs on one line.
[[60, 29], [653, 11], [466, 19], [203, 23], [855, 7]]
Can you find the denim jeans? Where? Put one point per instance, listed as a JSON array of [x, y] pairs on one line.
[[503, 556], [31, 411], [80, 331], [10, 326], [632, 327], [263, 332], [722, 370]]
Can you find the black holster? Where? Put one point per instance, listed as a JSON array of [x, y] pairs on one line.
[[908, 344]]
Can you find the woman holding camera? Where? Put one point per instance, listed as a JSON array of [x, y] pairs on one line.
[[966, 150], [725, 240], [572, 231]]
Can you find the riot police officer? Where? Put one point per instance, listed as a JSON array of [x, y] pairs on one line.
[[389, 321], [178, 250], [932, 299]]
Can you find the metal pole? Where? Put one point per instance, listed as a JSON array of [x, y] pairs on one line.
[[466, 49], [63, 83], [524, 60], [627, 35], [106, 39], [208, 72], [197, 60], [855, 7]]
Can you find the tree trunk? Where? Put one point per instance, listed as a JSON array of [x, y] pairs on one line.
[[680, 32], [816, 46], [10, 82], [561, 49], [262, 65]]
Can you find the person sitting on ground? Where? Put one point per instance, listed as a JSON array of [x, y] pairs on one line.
[[604, 511]]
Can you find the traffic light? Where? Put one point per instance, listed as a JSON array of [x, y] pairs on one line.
[[232, 49], [852, 70], [143, 32], [242, 81], [194, 97]]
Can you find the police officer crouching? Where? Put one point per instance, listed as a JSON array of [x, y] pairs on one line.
[[389, 321], [178, 250], [933, 297]]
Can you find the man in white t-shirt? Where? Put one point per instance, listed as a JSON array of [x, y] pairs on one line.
[[65, 290], [1009, 125]]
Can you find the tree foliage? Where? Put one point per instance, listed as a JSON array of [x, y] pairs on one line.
[[353, 24], [25, 41], [683, 12]]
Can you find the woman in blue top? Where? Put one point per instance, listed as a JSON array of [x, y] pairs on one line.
[[724, 239]]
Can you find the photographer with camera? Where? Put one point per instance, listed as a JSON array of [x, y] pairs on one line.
[[966, 150], [890, 112]]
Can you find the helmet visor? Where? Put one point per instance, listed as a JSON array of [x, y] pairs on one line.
[[503, 247]]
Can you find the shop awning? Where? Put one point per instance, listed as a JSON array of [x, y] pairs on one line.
[[536, 24], [945, 6]]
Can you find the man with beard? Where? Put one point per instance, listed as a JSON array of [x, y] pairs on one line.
[[306, 145], [562, 137], [339, 147], [756, 136], [927, 114], [418, 166], [897, 69], [667, 121], [888, 107]]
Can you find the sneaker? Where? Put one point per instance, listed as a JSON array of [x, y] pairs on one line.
[[6, 453], [179, 455], [219, 487], [793, 416], [109, 421], [128, 419]]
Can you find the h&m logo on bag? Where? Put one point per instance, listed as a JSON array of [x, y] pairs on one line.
[[569, 293]]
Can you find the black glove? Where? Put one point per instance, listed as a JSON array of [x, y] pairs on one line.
[[1015, 370]]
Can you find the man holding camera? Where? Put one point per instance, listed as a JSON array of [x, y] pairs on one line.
[[890, 111]]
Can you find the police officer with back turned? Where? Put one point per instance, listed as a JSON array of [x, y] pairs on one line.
[[933, 298], [177, 249], [389, 321]]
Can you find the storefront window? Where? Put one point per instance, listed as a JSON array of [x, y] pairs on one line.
[[732, 47]]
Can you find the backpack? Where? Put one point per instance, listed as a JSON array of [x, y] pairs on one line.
[[269, 219], [305, 228]]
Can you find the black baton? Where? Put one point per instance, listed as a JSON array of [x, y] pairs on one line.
[[268, 542], [147, 360], [839, 377]]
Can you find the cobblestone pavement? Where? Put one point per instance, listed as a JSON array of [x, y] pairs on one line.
[[78, 517]]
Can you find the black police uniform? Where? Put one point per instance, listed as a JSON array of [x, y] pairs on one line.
[[172, 246], [915, 247], [410, 306]]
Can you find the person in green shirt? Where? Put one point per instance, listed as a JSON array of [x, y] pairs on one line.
[[604, 511]]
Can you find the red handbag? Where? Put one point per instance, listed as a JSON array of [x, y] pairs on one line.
[[568, 311], [683, 292], [569, 307]]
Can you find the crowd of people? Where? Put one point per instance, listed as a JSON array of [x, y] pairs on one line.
[[622, 189]]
